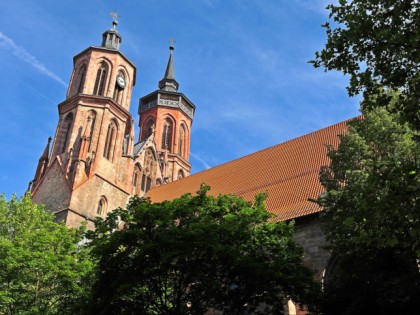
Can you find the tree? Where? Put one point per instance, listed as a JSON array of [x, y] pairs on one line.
[[41, 264], [196, 253], [377, 43], [371, 216]]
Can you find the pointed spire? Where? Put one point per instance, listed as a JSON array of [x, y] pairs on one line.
[[45, 155], [111, 38], [168, 83], [42, 164]]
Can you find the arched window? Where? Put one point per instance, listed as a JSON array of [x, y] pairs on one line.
[[167, 135], [91, 120], [146, 183], [65, 131], [180, 174], [136, 176], [81, 79], [119, 87], [181, 140], [110, 140], [101, 209], [158, 182], [149, 128], [100, 79]]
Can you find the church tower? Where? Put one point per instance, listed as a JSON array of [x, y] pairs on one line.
[[89, 168], [168, 115]]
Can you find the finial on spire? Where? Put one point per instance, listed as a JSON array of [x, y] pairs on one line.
[[171, 44], [115, 17], [168, 83]]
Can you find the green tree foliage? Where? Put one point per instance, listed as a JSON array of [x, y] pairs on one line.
[[195, 253], [371, 217], [41, 265], [377, 43]]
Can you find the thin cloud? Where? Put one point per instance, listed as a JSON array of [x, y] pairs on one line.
[[22, 54], [195, 156], [41, 94]]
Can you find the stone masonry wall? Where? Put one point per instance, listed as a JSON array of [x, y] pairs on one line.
[[53, 191], [308, 234]]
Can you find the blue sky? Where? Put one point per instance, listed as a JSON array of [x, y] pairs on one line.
[[244, 63]]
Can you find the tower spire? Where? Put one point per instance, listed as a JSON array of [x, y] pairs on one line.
[[169, 83]]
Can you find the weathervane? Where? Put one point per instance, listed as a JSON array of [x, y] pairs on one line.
[[115, 17]]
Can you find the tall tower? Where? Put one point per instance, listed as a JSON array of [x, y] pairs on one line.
[[169, 115], [89, 168]]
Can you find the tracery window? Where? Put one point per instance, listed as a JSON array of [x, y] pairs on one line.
[[167, 135], [110, 140], [81, 79], [181, 140], [100, 79]]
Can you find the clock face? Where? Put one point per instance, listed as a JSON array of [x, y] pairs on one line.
[[121, 81]]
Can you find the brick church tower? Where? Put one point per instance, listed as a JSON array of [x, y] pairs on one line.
[[169, 115], [93, 164], [89, 168]]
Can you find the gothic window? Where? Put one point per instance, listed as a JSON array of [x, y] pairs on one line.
[[180, 174], [158, 182], [149, 128], [181, 141], [136, 176], [100, 81], [148, 183], [143, 182], [91, 120], [81, 79], [101, 209], [119, 87], [167, 135], [110, 141], [65, 131]]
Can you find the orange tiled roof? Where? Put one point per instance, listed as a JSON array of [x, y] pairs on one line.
[[287, 171]]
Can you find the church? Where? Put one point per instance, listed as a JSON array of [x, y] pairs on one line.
[[95, 162]]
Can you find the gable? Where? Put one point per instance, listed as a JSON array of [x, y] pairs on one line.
[[289, 172], [55, 181]]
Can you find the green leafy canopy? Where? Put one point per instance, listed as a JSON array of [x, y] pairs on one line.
[[371, 216], [197, 253], [41, 264], [377, 43]]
